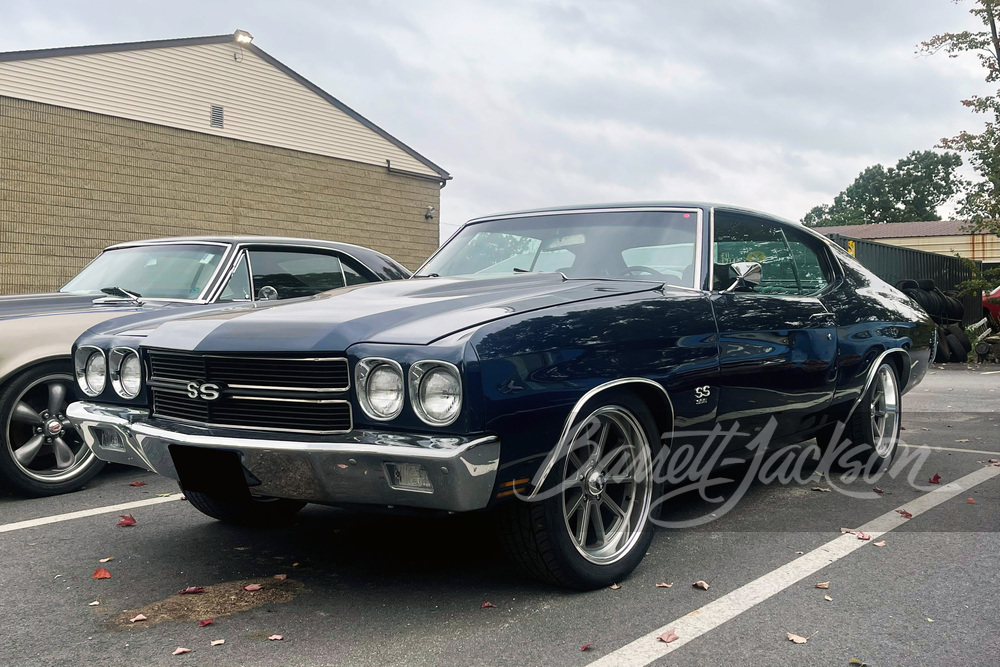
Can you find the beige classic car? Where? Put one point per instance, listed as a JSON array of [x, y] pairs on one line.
[[41, 453]]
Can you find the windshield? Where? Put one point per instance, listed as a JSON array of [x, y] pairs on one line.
[[168, 271], [636, 245]]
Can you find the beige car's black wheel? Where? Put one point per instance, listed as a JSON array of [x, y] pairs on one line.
[[41, 454]]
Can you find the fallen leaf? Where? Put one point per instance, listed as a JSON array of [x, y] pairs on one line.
[[994, 461], [828, 598], [930, 620], [863, 536], [107, 560], [823, 584], [962, 440], [127, 520], [904, 514], [217, 642], [191, 590], [101, 573], [281, 577], [854, 662], [342, 466], [820, 488], [936, 479], [700, 584], [800, 553], [180, 650], [163, 495], [487, 605], [137, 618], [275, 638], [586, 647], [924, 428], [664, 584], [878, 490], [668, 636], [844, 531], [94, 603], [137, 484], [797, 638], [971, 501], [880, 543], [295, 564], [207, 621], [615, 587], [252, 587]]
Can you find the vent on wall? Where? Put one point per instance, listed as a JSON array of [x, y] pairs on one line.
[[216, 120]]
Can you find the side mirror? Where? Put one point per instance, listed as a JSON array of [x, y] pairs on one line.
[[747, 276], [267, 293]]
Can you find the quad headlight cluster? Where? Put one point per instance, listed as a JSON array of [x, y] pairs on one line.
[[122, 365], [435, 389]]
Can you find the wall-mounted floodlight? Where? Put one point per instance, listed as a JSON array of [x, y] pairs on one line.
[[243, 37]]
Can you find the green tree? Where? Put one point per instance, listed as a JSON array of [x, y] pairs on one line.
[[980, 202], [911, 191]]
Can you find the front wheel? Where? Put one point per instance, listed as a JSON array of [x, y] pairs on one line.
[[244, 511], [41, 453], [591, 528]]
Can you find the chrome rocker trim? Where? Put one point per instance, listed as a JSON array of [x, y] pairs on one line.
[[347, 468]]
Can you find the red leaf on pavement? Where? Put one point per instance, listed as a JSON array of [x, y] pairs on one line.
[[488, 605], [936, 479], [137, 618], [971, 501], [127, 520], [863, 536], [586, 647], [180, 650], [275, 638], [191, 590], [137, 484], [878, 490], [252, 587], [904, 514], [668, 636], [207, 621], [101, 573]]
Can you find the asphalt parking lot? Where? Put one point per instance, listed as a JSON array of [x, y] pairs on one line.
[[390, 590]]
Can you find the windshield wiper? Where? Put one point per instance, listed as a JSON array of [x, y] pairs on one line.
[[517, 270], [426, 275], [119, 293]]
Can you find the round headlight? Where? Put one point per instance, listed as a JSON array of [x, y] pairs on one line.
[[380, 388], [95, 375], [126, 372], [437, 390]]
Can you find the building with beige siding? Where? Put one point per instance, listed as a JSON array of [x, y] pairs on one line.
[[208, 135], [945, 237]]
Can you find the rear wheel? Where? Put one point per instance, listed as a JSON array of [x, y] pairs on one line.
[[875, 424], [41, 454], [246, 511], [592, 528]]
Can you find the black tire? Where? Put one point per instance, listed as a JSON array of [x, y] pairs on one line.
[[960, 334], [51, 456], [906, 284], [956, 310], [537, 534], [878, 446], [958, 353], [943, 354], [247, 512]]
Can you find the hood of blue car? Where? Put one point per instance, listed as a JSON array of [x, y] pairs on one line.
[[408, 312]]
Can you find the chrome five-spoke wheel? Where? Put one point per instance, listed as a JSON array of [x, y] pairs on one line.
[[884, 412]]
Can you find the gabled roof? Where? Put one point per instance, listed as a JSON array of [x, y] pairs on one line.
[[151, 45], [893, 230]]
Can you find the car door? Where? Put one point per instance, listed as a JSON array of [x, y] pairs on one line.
[[778, 341]]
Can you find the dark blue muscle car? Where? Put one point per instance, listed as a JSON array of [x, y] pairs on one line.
[[538, 365]]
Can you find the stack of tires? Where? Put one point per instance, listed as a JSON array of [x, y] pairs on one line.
[[947, 311]]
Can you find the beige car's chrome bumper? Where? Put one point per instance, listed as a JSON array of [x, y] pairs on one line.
[[350, 468]]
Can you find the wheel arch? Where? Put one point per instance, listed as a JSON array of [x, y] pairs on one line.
[[12, 371], [651, 393]]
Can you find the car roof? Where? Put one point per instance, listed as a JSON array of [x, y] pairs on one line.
[[641, 204]]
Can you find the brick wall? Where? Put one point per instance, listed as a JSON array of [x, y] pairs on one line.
[[73, 182]]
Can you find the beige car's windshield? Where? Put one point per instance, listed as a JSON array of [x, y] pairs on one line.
[[168, 271]]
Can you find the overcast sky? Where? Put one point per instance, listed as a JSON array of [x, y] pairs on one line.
[[772, 104]]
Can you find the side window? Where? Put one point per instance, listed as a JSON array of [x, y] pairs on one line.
[[294, 274], [352, 274], [238, 287], [789, 262]]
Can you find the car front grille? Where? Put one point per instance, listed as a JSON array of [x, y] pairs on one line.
[[295, 394]]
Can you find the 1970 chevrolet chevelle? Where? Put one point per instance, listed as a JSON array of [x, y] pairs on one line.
[[537, 365]]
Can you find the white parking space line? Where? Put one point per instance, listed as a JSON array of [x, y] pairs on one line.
[[69, 516], [953, 449], [648, 648]]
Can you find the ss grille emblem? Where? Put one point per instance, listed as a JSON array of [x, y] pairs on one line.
[[205, 391]]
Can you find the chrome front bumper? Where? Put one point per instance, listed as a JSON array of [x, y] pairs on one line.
[[349, 468]]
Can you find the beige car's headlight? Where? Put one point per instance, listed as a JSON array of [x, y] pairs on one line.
[[435, 391]]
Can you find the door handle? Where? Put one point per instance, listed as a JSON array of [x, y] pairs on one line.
[[828, 319]]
